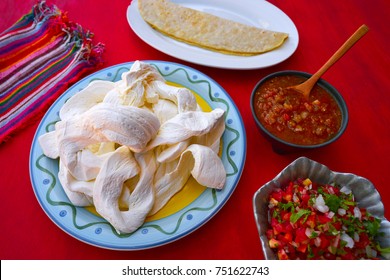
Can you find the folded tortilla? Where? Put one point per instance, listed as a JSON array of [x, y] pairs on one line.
[[208, 31]]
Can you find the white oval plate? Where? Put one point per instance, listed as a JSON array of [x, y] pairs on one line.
[[251, 12], [92, 229]]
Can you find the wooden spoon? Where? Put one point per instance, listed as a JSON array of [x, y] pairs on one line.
[[306, 86]]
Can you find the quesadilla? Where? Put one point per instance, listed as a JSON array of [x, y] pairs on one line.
[[208, 31]]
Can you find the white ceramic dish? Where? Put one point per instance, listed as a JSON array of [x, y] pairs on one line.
[[364, 192], [261, 14], [84, 225]]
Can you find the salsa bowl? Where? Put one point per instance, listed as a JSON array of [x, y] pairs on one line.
[[364, 192], [289, 121]]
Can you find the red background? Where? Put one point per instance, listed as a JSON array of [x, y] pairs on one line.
[[362, 77]]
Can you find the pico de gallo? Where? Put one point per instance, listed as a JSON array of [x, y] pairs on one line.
[[320, 221]]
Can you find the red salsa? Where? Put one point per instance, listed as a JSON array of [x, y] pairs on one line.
[[286, 113]]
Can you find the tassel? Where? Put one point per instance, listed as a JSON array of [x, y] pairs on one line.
[[40, 56]]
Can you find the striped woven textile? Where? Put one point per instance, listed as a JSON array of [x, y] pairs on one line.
[[40, 56]]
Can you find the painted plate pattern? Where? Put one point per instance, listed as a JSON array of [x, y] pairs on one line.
[[82, 224]]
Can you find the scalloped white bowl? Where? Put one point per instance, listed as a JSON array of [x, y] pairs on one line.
[[364, 191]]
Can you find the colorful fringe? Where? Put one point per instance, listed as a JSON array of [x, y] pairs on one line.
[[40, 56]]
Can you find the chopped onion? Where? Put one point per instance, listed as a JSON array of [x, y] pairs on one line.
[[345, 237], [335, 242], [272, 203], [357, 213], [308, 232], [345, 190], [341, 211], [371, 253], [317, 241], [320, 204], [330, 214], [356, 236]]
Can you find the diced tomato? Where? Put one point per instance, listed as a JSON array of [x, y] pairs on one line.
[[282, 255], [274, 222], [269, 233], [283, 227], [287, 197], [350, 209], [337, 225], [311, 220], [273, 243], [323, 219], [302, 248], [278, 229], [287, 226], [287, 237], [277, 195], [317, 253], [286, 216], [288, 193], [300, 235], [305, 199], [325, 242], [329, 256], [364, 240], [348, 255]]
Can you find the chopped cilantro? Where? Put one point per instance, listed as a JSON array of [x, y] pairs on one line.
[[296, 215], [372, 226], [333, 202], [384, 250], [310, 252], [348, 203], [286, 206]]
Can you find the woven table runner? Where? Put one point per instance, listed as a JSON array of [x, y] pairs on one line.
[[40, 56]]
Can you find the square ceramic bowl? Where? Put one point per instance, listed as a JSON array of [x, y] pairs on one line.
[[364, 191]]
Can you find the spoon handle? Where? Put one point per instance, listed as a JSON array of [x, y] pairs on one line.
[[359, 33]]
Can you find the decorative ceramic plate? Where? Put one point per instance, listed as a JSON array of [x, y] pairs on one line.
[[257, 13], [180, 216]]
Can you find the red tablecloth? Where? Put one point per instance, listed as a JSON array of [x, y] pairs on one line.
[[362, 77]]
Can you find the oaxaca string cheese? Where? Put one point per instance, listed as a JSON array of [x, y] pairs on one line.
[[128, 147]]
